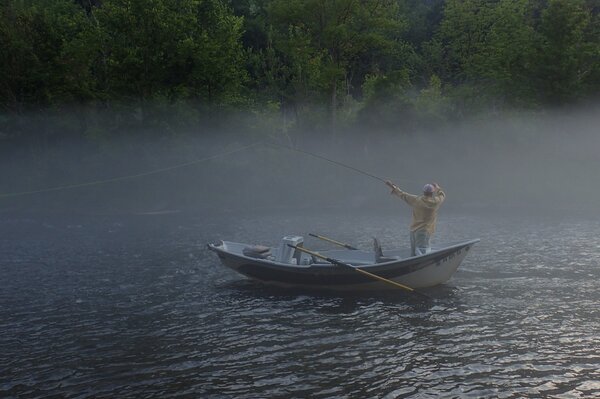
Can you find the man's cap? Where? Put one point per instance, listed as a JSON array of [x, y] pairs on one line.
[[428, 188]]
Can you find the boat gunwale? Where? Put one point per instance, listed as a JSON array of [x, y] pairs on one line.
[[431, 256]]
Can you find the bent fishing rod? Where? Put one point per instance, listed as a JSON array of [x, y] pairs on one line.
[[327, 159]]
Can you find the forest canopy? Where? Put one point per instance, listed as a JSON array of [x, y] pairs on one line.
[[322, 66]]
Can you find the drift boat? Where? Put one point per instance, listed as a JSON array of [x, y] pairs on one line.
[[288, 266]]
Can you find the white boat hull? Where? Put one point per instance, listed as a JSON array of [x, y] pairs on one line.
[[428, 270]]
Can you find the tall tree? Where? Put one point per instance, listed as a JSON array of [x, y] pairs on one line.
[[463, 33], [344, 32], [504, 62], [567, 55], [186, 49], [38, 64]]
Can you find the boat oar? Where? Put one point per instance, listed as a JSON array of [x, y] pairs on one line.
[[341, 244], [366, 273]]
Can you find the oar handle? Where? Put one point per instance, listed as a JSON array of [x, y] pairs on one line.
[[341, 244]]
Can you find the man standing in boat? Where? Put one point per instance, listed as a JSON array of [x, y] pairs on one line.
[[424, 215]]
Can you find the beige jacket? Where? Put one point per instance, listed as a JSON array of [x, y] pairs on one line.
[[424, 209]]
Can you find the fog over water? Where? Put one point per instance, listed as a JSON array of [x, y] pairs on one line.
[[531, 162]]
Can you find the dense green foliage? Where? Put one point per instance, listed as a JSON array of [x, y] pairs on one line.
[[304, 65]]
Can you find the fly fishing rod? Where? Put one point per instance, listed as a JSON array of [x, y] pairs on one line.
[[328, 160]]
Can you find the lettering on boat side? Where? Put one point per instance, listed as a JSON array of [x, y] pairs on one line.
[[449, 257]]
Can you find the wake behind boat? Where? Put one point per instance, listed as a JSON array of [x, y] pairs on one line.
[[289, 266]]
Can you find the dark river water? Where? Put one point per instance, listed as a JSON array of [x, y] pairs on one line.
[[134, 306]]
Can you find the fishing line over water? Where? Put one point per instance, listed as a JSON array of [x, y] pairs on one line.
[[121, 178], [185, 164]]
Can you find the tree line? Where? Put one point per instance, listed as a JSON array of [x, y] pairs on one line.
[[304, 65]]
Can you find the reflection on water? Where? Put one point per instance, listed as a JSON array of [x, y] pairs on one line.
[[117, 306]]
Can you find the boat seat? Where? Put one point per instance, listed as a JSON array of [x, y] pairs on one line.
[[257, 251], [379, 257]]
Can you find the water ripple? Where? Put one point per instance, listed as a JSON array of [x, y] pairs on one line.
[[131, 307]]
